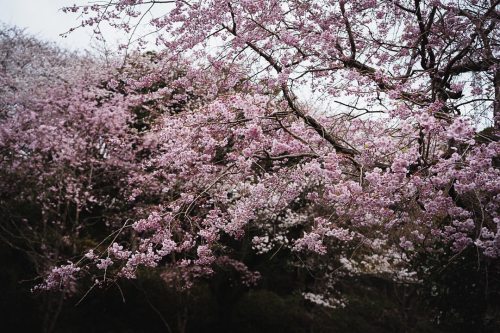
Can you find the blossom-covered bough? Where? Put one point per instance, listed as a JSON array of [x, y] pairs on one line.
[[397, 162]]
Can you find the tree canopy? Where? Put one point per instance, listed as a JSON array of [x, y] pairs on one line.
[[349, 139]]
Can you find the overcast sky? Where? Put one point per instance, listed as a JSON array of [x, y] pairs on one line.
[[45, 20]]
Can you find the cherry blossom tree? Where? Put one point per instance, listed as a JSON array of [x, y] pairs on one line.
[[359, 138]]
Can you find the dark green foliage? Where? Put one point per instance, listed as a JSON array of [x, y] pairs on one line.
[[464, 302]]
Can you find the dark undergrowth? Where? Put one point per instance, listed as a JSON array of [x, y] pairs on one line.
[[455, 301]]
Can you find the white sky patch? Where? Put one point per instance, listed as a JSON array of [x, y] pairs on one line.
[[45, 20]]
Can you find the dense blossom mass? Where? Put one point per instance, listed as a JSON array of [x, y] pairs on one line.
[[357, 137]]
